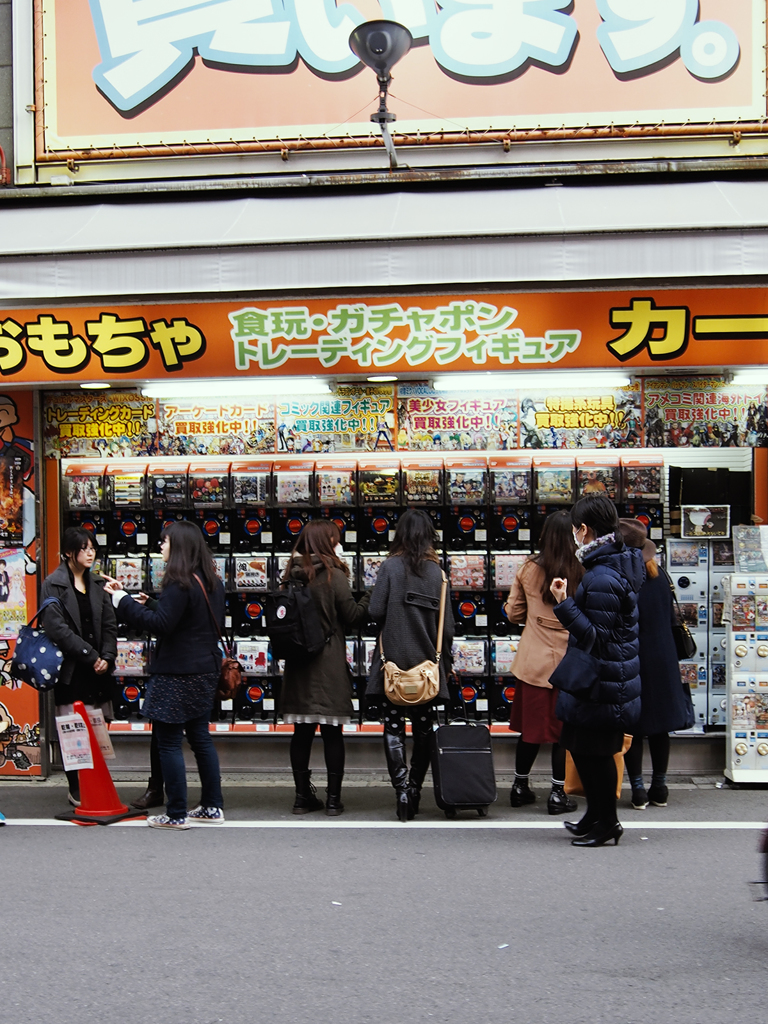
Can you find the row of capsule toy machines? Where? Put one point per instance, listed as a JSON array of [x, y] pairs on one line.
[[487, 510], [746, 621]]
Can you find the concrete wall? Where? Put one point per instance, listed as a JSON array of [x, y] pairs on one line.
[[6, 81]]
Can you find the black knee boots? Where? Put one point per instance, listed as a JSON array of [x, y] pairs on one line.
[[394, 749]]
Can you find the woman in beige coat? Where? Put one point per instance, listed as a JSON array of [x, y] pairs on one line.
[[541, 648]]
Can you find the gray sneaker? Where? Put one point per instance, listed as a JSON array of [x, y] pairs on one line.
[[210, 815]]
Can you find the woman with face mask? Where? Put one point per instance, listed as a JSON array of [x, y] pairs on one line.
[[602, 618]]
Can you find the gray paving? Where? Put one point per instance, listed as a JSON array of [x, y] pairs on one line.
[[359, 924]]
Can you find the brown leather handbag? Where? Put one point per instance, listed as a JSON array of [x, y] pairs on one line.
[[420, 684], [231, 672]]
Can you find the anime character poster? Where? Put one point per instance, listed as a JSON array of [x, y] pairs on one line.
[[13, 594], [610, 418], [430, 420], [216, 427], [356, 418], [704, 412], [19, 705]]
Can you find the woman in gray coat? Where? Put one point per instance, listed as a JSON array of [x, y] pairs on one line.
[[406, 602], [317, 690]]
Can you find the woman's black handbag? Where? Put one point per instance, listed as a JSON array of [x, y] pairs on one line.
[[685, 645], [578, 674]]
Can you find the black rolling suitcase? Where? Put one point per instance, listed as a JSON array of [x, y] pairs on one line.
[[462, 768]]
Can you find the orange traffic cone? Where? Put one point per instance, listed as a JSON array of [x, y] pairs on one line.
[[99, 802]]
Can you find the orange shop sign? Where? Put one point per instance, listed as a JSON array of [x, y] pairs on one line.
[[414, 335], [146, 74]]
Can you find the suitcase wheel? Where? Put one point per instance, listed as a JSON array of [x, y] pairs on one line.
[[482, 812], [451, 812]]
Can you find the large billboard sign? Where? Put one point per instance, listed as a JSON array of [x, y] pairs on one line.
[[174, 77], [410, 335]]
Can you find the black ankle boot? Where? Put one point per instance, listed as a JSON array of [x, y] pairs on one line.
[[559, 802], [333, 805], [521, 793], [151, 797], [306, 798]]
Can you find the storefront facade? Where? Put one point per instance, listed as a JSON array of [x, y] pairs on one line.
[[488, 256]]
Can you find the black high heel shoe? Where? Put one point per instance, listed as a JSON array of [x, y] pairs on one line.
[[600, 835], [579, 828]]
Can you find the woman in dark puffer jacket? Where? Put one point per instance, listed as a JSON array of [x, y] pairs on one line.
[[602, 619]]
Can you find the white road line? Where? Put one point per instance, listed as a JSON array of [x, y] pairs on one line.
[[707, 826]]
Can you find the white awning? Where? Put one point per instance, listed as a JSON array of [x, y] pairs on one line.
[[406, 239]]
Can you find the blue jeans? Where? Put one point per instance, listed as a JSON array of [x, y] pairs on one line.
[[169, 738]]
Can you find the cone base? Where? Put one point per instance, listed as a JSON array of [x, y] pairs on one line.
[[99, 819]]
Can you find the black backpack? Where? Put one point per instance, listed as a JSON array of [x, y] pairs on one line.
[[293, 623]]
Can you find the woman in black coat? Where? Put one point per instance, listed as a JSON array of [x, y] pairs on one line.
[[317, 690], [405, 602], [602, 619], [83, 625], [185, 669], [666, 705]]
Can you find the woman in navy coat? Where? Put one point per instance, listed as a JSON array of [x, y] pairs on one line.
[[186, 619], [602, 618], [666, 704]]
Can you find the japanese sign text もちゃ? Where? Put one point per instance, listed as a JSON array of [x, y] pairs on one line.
[[417, 335]]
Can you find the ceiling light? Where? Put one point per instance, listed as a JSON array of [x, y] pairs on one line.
[[567, 380], [382, 378], [95, 385], [266, 387], [755, 377]]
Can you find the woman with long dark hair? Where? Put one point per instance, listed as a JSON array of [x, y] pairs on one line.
[[83, 625], [602, 618], [317, 691], [405, 603], [539, 652], [184, 669], [665, 704]]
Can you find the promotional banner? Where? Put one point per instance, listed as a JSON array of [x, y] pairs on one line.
[[20, 752], [107, 424], [421, 336], [357, 418], [651, 412], [214, 427], [158, 75], [702, 412]]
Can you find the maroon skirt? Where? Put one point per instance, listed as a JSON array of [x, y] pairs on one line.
[[533, 714]]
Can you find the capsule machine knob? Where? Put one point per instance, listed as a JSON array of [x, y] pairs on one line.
[[741, 749], [762, 650], [741, 650], [762, 749]]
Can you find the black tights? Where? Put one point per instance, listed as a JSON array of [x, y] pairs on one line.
[[598, 777], [333, 747], [659, 747], [526, 753]]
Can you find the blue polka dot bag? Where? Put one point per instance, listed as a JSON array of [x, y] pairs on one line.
[[36, 659]]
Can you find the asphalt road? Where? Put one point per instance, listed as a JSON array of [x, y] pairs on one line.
[[273, 918]]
